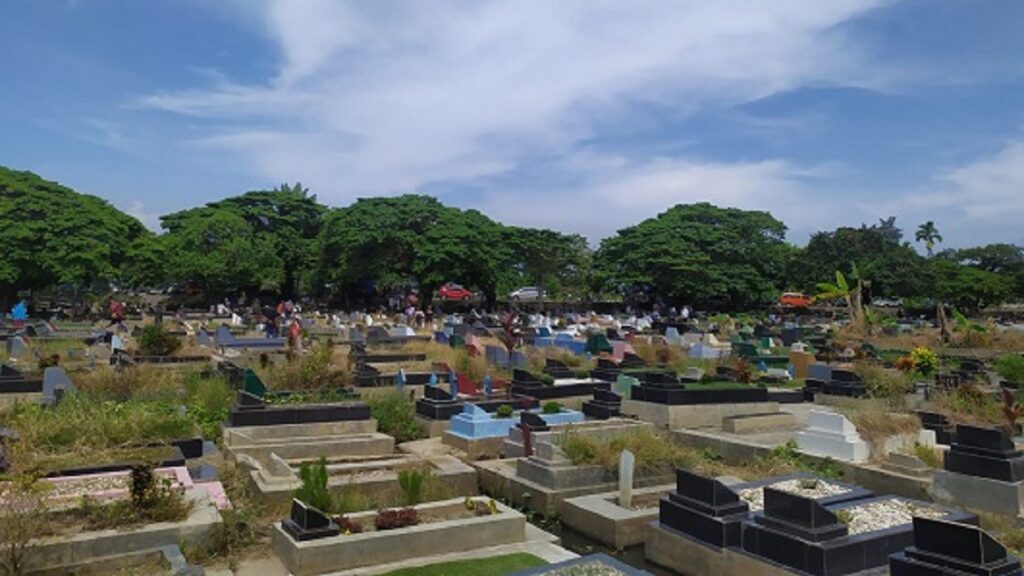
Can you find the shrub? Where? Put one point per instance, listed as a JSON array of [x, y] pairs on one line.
[[505, 411], [395, 414], [313, 491], [348, 526], [311, 371], [393, 518], [1011, 367], [411, 483], [928, 455], [926, 361], [552, 408], [883, 383], [155, 341]]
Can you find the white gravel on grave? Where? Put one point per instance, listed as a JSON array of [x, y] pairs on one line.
[[754, 497], [886, 514]]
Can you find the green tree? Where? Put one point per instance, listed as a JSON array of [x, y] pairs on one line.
[[548, 259], [895, 268], [289, 216], [219, 252], [698, 254], [969, 288], [928, 234], [52, 235]]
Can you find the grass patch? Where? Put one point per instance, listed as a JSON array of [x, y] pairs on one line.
[[493, 566], [875, 423], [654, 452]]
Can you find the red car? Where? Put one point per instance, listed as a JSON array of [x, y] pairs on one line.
[[795, 300], [452, 291]]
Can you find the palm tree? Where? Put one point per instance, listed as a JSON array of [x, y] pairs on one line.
[[928, 234]]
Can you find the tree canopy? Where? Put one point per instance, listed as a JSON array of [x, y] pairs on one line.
[[53, 236], [699, 254], [282, 241]]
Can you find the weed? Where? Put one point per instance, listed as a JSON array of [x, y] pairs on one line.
[[411, 483], [928, 455], [505, 411], [313, 491], [551, 408], [155, 341]]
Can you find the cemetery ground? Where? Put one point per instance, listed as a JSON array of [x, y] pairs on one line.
[[369, 453]]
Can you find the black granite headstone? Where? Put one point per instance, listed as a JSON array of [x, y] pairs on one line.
[[944, 548], [984, 452], [308, 523], [703, 508]]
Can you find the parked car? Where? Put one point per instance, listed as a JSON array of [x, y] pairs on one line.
[[795, 300], [526, 293], [452, 291], [887, 302]]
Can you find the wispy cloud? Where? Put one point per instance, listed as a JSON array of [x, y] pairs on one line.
[[388, 97]]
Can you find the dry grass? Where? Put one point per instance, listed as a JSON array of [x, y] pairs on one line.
[[875, 423]]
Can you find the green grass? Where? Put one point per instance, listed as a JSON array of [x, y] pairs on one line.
[[494, 566]]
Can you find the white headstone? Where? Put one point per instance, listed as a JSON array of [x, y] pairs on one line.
[[116, 343], [626, 464], [830, 434]]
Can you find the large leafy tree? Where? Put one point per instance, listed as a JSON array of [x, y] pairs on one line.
[[51, 235], [219, 252], [698, 254], [288, 216], [968, 288], [381, 243], [895, 268], [1007, 260]]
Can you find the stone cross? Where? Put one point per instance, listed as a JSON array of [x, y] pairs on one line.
[[626, 464]]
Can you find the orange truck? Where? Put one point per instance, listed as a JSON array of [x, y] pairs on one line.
[[795, 300]]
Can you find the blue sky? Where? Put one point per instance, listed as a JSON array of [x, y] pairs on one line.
[[580, 115]]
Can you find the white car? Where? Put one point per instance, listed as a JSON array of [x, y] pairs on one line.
[[526, 293]]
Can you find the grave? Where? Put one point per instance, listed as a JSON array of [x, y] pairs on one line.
[[251, 410], [832, 435], [604, 405], [466, 531], [15, 386], [225, 339], [542, 480], [673, 406], [436, 408], [982, 470], [939, 424], [481, 434], [569, 390], [837, 539], [589, 564], [943, 548], [277, 480]]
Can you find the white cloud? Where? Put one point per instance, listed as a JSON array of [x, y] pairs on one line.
[[976, 203], [151, 220], [620, 193], [386, 97]]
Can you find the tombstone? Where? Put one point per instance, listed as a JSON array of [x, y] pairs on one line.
[[832, 435], [533, 422], [55, 384], [116, 343], [692, 375], [400, 379], [453, 385], [249, 401], [703, 508], [203, 339], [624, 385], [672, 335], [519, 360], [943, 548], [17, 348], [488, 385], [626, 464], [441, 337], [605, 404], [986, 453], [308, 523], [781, 508], [433, 380], [252, 384]]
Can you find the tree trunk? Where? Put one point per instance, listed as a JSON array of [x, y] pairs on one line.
[[940, 315]]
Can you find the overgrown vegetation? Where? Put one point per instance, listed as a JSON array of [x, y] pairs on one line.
[[1011, 367], [395, 413], [156, 341]]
